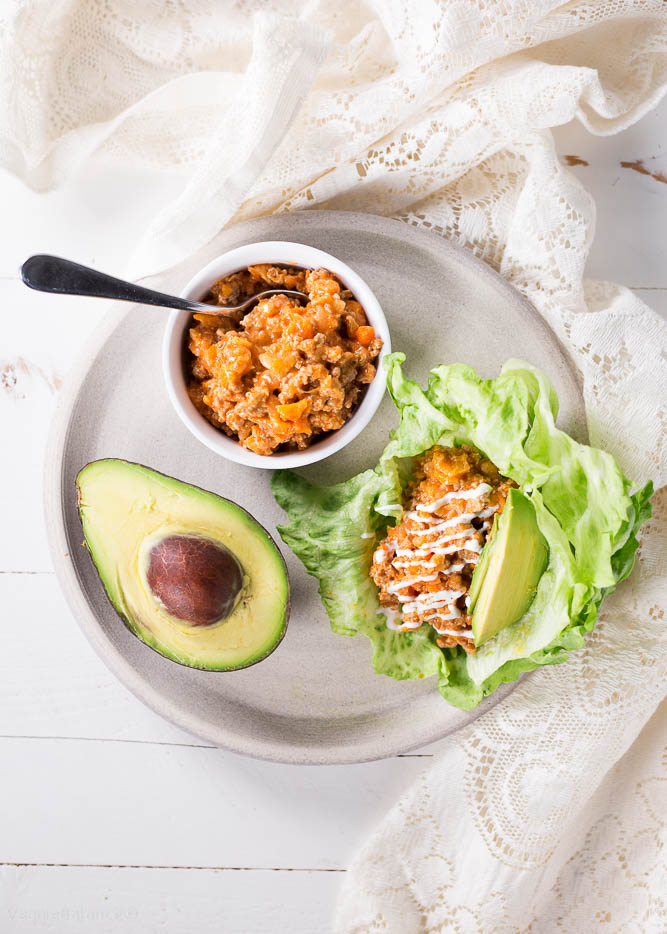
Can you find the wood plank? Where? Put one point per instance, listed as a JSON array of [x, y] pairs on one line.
[[51, 681], [106, 803], [96, 219], [629, 244], [53, 684], [81, 900], [112, 801], [41, 335], [96, 801]]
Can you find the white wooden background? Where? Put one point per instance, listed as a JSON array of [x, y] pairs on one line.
[[112, 820]]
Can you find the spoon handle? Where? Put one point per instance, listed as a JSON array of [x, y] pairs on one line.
[[54, 274]]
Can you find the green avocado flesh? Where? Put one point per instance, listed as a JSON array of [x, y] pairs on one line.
[[512, 563], [193, 575]]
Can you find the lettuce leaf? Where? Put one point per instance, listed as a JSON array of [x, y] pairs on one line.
[[582, 501]]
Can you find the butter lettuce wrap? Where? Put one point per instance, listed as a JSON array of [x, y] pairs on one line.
[[584, 508]]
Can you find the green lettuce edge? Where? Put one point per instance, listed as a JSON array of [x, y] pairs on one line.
[[337, 553]]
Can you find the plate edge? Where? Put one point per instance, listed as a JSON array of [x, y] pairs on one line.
[[66, 574]]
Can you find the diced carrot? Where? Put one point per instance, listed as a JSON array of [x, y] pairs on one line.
[[300, 326], [280, 363], [306, 328], [365, 335], [292, 411], [209, 321]]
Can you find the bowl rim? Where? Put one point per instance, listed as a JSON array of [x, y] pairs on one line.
[[289, 253]]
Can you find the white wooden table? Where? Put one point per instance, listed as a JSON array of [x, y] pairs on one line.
[[112, 820]]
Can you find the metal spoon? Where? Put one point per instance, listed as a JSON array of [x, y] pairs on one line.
[[54, 274]]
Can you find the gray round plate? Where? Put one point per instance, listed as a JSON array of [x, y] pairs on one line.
[[316, 699]]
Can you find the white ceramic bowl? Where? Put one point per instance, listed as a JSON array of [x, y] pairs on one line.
[[280, 253]]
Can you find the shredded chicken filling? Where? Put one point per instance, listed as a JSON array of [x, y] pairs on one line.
[[288, 373], [424, 565]]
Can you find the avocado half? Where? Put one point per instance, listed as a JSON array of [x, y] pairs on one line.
[[512, 562], [191, 574]]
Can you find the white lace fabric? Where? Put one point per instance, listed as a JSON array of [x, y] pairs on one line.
[[546, 813]]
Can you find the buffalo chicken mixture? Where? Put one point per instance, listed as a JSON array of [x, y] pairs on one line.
[[287, 373], [424, 566]]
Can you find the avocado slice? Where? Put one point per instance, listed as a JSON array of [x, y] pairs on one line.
[[193, 575], [512, 563]]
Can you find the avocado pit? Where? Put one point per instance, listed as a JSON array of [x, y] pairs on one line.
[[191, 574], [196, 579]]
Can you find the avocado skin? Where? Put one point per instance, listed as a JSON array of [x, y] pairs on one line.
[[513, 561], [117, 603]]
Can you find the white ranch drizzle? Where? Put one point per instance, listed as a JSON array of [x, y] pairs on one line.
[[384, 550], [367, 535], [450, 549], [393, 618], [433, 601], [409, 581], [467, 633], [426, 565], [460, 533], [413, 609], [463, 520], [474, 545], [459, 538], [485, 513], [395, 622], [411, 624], [455, 614], [473, 493]]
